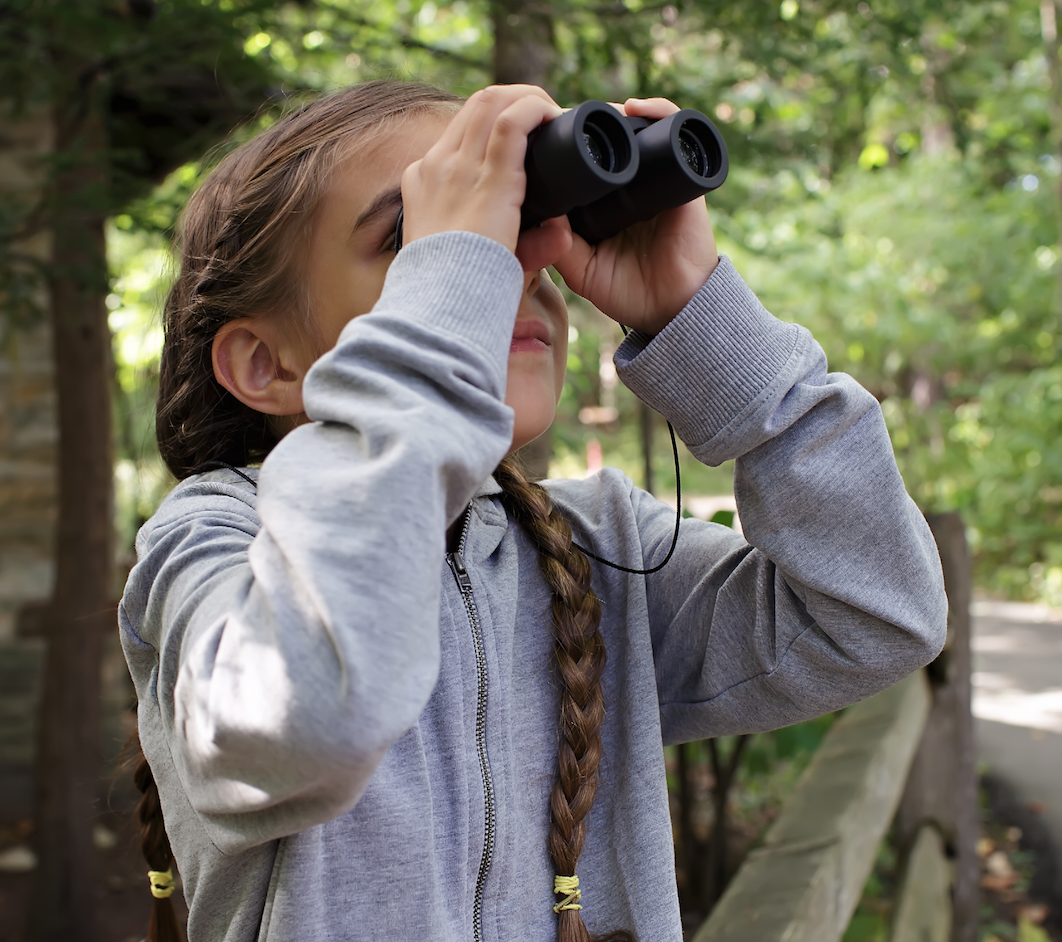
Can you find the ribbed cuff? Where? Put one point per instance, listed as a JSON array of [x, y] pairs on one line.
[[712, 360]]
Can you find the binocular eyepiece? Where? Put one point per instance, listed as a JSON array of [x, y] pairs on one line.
[[607, 171]]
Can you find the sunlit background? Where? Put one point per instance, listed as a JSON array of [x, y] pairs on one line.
[[893, 187]]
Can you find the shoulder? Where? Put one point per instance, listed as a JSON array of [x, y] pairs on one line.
[[225, 497], [595, 498], [607, 513], [204, 526]]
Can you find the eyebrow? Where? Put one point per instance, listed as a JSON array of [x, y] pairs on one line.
[[383, 201]]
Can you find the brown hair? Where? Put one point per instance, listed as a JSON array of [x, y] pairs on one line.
[[241, 242], [155, 846], [238, 259], [579, 655]]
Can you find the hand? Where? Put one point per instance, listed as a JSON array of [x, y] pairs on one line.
[[646, 274], [473, 178]]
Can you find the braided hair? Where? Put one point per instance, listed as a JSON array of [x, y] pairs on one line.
[[240, 239], [579, 654], [155, 846]]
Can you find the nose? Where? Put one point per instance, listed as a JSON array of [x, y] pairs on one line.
[[532, 281]]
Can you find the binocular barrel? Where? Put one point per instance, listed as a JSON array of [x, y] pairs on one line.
[[575, 159], [607, 171]]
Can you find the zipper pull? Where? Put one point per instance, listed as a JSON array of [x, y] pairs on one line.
[[457, 567]]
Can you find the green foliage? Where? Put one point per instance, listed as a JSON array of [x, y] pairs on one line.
[[171, 75], [330, 43], [168, 79], [937, 292], [891, 170], [176, 87], [1011, 482], [140, 261], [1030, 932], [724, 518], [789, 744]]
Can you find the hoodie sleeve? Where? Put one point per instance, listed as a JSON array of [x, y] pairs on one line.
[[836, 590], [281, 642]]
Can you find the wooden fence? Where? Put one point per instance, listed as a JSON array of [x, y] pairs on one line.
[[905, 759]]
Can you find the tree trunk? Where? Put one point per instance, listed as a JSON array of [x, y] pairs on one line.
[[724, 770], [523, 53], [68, 744], [692, 849], [523, 42], [1049, 10], [942, 783]]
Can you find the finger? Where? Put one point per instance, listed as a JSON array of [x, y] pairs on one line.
[[455, 130], [507, 143], [484, 109], [575, 265], [480, 106], [649, 107], [468, 131]]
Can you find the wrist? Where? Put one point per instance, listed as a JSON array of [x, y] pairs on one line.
[[679, 297]]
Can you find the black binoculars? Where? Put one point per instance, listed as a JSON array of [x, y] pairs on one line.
[[607, 171]]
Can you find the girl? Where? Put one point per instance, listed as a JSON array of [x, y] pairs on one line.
[[372, 674]]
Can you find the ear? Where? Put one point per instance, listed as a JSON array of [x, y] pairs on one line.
[[255, 363]]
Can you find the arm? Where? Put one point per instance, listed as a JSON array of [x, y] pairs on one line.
[[297, 633], [838, 591]]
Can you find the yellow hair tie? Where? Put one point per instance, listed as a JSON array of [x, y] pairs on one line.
[[161, 883], [570, 887]]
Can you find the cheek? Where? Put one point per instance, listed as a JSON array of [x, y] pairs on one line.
[[560, 365], [345, 295]]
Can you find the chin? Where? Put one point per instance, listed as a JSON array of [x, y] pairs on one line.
[[522, 437], [535, 406], [528, 427]]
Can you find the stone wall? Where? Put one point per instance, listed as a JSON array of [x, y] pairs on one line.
[[28, 451], [28, 429], [29, 440]]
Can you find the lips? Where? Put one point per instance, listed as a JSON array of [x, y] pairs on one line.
[[530, 337]]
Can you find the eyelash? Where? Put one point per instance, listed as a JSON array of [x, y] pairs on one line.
[[392, 236]]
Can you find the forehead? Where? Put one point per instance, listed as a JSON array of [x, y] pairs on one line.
[[380, 162]]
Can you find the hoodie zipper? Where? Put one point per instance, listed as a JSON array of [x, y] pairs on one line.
[[456, 561]]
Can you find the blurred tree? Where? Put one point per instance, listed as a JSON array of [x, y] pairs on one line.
[[1049, 29], [523, 42], [134, 91], [523, 54]]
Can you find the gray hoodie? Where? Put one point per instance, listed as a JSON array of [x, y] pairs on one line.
[[354, 733]]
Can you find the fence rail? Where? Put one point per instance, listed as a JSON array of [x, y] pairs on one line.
[[805, 880], [902, 758]]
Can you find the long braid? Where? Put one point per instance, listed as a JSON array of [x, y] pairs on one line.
[[579, 651], [155, 846]]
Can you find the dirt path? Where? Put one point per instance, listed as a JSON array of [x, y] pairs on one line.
[[1017, 705]]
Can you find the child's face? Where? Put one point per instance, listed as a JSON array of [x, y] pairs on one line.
[[351, 249]]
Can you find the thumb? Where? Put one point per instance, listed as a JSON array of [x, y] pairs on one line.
[[543, 245], [574, 265]]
